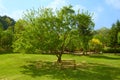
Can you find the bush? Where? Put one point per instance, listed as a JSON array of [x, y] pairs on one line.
[[95, 45], [111, 50]]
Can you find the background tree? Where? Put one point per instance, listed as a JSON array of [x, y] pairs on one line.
[[6, 39], [85, 27], [6, 22], [1, 32], [113, 38], [103, 35], [118, 37], [115, 29], [6, 32]]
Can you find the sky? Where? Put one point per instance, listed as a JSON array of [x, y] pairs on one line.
[[105, 12]]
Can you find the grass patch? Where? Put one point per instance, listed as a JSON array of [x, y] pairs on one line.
[[93, 67]]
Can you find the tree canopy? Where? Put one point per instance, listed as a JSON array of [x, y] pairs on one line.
[[115, 29], [48, 31], [6, 32], [6, 21]]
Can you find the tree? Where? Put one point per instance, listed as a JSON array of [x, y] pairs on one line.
[[6, 39], [118, 37], [103, 35], [45, 31], [6, 32], [6, 22], [19, 29], [66, 25], [115, 29], [114, 32], [74, 43], [1, 32], [85, 27]]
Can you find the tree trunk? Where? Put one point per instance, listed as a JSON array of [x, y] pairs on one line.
[[115, 48], [59, 59], [84, 52]]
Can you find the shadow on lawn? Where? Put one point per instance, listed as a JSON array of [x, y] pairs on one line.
[[5, 52], [105, 57], [83, 72]]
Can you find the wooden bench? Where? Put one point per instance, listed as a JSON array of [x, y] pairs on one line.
[[38, 64], [68, 64]]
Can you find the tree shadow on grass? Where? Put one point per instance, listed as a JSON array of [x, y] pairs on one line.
[[105, 57], [82, 72], [5, 52]]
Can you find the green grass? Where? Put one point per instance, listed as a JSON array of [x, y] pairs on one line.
[[94, 67]]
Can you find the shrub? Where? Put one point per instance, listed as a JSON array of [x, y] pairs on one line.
[[95, 45], [111, 50]]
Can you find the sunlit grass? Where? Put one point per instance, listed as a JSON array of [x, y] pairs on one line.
[[94, 67]]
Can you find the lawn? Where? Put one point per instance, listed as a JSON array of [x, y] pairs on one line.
[[94, 67]]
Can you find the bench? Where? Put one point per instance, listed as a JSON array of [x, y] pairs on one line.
[[38, 64], [68, 64]]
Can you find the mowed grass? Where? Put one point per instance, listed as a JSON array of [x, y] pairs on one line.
[[93, 67]]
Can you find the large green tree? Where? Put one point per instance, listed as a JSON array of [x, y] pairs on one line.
[[46, 31]]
